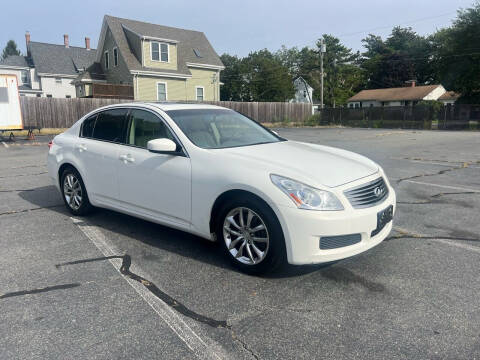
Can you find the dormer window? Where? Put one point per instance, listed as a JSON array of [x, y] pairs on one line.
[[159, 52]]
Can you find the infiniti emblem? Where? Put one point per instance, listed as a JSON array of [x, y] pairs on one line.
[[378, 191]]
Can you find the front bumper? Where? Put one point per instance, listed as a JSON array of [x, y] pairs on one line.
[[304, 228]]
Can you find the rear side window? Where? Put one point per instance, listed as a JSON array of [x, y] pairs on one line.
[[144, 127], [110, 125], [88, 125]]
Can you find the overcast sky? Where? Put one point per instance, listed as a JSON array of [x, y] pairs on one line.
[[235, 27]]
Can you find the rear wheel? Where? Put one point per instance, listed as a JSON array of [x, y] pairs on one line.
[[251, 235], [74, 193]]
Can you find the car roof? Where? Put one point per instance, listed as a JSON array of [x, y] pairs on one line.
[[166, 106]]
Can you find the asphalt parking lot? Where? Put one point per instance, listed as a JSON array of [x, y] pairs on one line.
[[414, 296]]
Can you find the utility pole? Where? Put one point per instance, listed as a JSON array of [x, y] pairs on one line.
[[323, 49]]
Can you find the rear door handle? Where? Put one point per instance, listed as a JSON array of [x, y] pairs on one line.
[[126, 158], [81, 147]]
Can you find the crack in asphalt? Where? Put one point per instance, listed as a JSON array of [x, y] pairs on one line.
[[167, 299], [435, 196], [440, 172], [15, 190], [28, 210], [440, 161], [244, 345], [402, 234], [19, 175], [40, 290]]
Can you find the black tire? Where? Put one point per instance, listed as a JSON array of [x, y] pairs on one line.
[[85, 207], [276, 251]]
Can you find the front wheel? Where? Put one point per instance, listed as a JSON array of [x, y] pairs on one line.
[[74, 192], [252, 236]]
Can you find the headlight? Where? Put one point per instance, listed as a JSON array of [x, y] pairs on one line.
[[307, 197]]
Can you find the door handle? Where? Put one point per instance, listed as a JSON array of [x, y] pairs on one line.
[[126, 158], [81, 147]]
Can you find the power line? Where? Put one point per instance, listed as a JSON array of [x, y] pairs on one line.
[[403, 23]]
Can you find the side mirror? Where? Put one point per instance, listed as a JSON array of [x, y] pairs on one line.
[[163, 146]]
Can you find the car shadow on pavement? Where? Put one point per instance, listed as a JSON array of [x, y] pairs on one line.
[[155, 235]]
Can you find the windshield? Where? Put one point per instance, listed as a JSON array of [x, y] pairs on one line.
[[221, 128]]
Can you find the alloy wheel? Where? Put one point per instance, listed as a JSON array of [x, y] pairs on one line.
[[72, 190], [246, 236]]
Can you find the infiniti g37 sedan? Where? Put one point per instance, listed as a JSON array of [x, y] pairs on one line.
[[215, 173]]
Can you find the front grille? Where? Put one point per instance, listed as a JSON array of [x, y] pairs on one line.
[[335, 242], [367, 195]]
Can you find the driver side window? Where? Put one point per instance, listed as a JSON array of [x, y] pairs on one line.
[[146, 126]]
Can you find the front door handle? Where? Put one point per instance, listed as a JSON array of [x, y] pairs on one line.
[[127, 158], [81, 147]]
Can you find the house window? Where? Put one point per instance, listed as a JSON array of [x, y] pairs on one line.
[[24, 77], [162, 91], [39, 95], [68, 97], [199, 93], [159, 52], [115, 57], [107, 60], [58, 80], [49, 95]]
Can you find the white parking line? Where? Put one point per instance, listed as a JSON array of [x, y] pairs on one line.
[[194, 342], [440, 240], [5, 144], [442, 186]]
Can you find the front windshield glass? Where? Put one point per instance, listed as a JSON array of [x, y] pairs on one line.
[[220, 128]]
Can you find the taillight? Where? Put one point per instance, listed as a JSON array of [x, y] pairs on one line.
[[50, 144]]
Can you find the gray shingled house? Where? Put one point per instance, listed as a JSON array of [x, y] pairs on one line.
[[49, 69]]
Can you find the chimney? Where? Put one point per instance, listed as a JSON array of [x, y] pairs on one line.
[[27, 42], [65, 40], [27, 38], [87, 43]]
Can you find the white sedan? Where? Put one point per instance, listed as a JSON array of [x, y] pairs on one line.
[[217, 174]]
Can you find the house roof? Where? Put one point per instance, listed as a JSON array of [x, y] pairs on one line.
[[394, 94], [93, 72], [15, 61], [58, 59], [189, 44], [449, 95]]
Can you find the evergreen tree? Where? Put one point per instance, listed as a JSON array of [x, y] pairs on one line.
[[10, 49]]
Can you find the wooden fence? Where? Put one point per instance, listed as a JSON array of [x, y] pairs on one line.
[[63, 113]]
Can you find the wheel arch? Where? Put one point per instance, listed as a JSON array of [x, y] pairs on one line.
[[237, 193]]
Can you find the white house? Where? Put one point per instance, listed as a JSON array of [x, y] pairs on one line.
[[403, 96], [303, 91], [49, 69]]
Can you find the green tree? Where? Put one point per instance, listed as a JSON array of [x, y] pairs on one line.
[[456, 55], [232, 79], [403, 56], [10, 49], [266, 77], [343, 78], [260, 76]]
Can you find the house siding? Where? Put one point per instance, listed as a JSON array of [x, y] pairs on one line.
[[203, 77], [114, 74], [58, 90], [172, 57], [146, 88], [178, 89]]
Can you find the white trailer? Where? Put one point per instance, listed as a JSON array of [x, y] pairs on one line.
[[10, 112]]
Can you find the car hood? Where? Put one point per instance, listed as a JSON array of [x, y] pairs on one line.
[[316, 164]]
